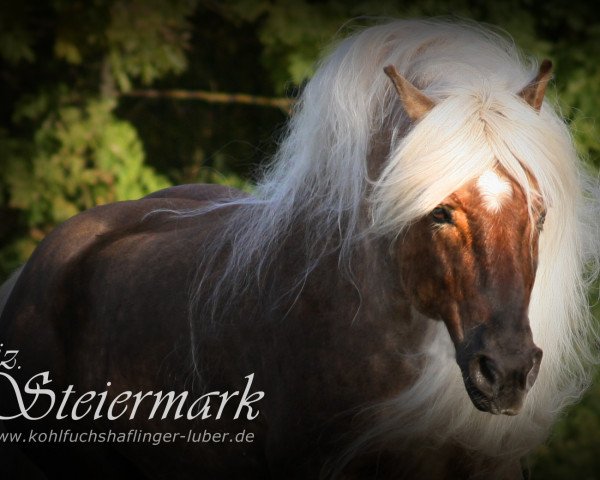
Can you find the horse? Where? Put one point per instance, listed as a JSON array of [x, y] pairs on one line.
[[403, 295]]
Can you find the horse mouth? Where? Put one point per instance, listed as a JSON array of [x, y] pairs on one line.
[[484, 403]]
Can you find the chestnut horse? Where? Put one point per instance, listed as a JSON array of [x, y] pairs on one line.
[[384, 297]]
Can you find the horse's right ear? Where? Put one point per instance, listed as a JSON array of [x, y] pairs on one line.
[[534, 92], [415, 103]]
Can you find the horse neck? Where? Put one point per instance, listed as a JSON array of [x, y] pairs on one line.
[[364, 285]]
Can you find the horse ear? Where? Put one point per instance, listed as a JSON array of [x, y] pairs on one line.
[[533, 93], [416, 103]]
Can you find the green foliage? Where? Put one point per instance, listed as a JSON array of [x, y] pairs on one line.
[[80, 157], [15, 38], [146, 39], [63, 148]]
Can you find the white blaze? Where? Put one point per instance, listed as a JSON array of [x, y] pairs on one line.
[[493, 189]]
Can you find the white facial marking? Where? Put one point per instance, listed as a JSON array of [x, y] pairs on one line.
[[493, 189]]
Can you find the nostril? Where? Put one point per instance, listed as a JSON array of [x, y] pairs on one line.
[[484, 374], [488, 369]]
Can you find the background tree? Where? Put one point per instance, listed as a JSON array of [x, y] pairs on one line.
[[96, 107]]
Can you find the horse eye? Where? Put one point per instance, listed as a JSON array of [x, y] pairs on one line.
[[441, 215]]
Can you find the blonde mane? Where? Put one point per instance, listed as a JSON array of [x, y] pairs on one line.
[[320, 177]]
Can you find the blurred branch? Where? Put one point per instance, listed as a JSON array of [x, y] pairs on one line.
[[284, 104]]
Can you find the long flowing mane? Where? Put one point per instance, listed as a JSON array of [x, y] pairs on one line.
[[325, 177]]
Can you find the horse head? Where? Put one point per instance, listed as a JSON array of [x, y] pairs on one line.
[[471, 263]]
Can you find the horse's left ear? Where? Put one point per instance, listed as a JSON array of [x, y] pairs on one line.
[[415, 103], [534, 92]]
